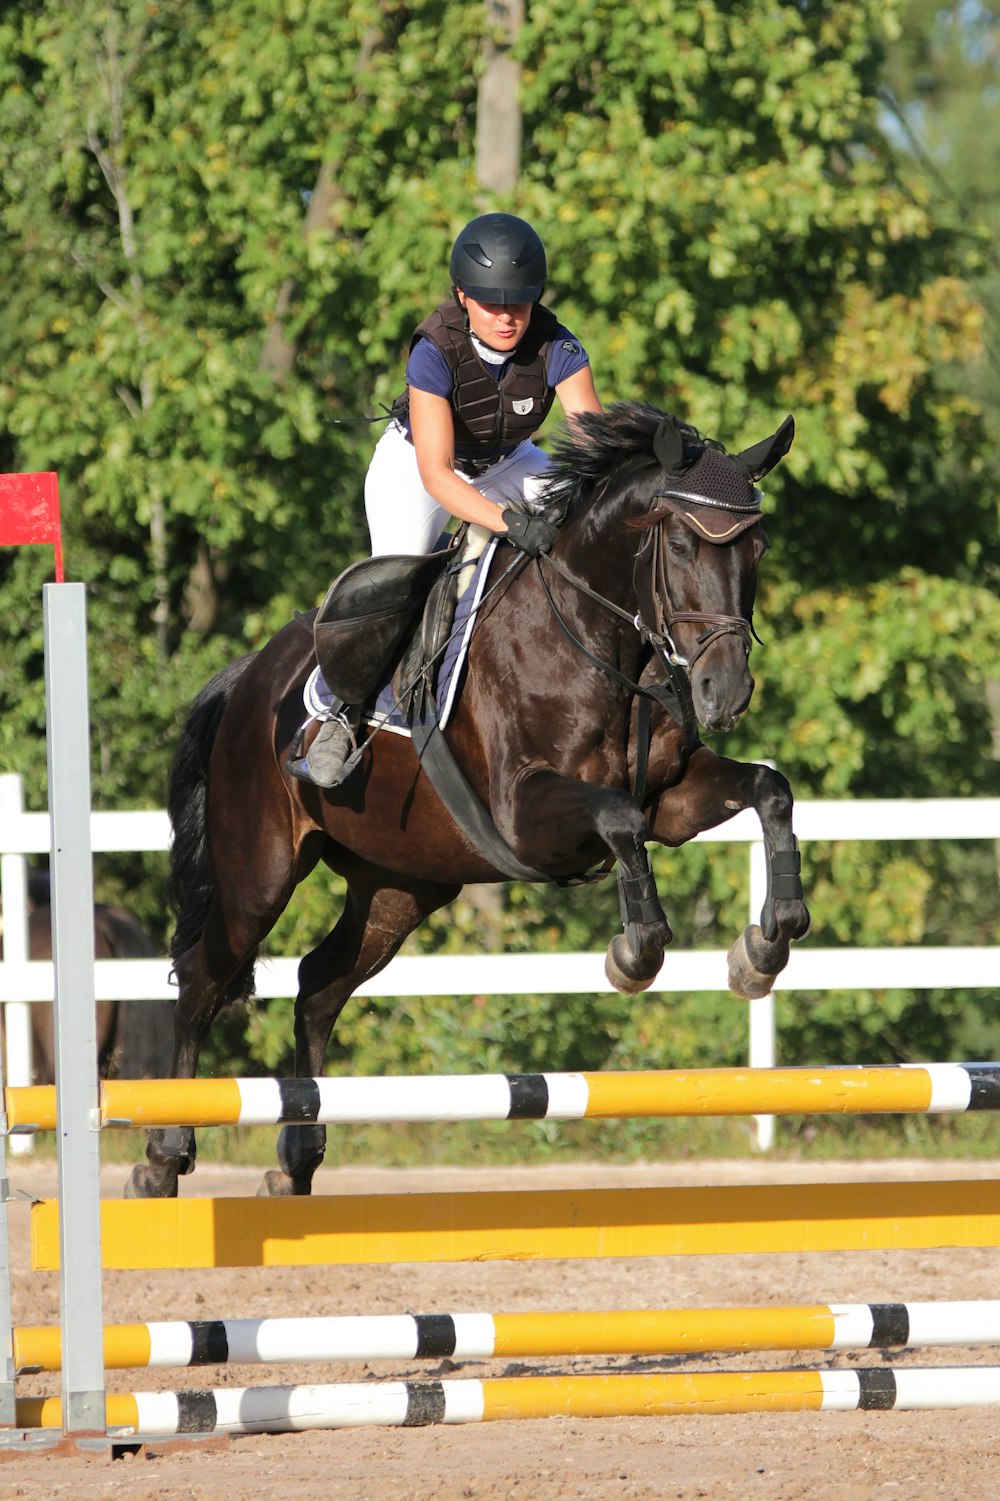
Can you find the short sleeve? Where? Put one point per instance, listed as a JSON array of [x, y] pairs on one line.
[[566, 356], [427, 369]]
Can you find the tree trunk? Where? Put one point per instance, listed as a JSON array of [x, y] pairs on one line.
[[498, 114], [277, 356]]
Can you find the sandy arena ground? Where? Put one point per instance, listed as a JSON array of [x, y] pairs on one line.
[[767, 1457]]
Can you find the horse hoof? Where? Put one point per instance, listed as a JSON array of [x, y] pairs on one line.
[[146, 1183], [275, 1185], [617, 956], [745, 979], [278, 1185]]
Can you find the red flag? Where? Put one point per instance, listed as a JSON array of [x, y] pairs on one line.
[[29, 512]]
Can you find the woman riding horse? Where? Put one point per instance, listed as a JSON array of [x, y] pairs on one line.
[[482, 374], [589, 671]]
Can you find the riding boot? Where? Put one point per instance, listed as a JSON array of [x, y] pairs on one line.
[[325, 761]]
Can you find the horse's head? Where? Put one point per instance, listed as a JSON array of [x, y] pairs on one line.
[[705, 543], [698, 513]]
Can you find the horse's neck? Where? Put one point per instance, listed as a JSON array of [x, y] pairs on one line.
[[602, 558]]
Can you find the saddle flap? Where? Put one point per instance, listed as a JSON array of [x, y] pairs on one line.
[[419, 662], [366, 614]]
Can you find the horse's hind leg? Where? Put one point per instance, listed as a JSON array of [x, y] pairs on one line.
[[215, 971], [713, 789], [210, 976], [380, 911]]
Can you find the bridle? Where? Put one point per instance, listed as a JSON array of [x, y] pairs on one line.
[[655, 617], [674, 694], [664, 617]]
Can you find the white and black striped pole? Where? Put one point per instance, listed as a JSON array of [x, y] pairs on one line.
[[67, 720]]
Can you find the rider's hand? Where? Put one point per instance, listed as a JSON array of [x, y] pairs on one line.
[[532, 534]]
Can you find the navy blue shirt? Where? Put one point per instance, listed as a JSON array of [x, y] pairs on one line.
[[427, 368]]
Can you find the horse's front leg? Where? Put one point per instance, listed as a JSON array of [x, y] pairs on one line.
[[712, 789], [555, 813]]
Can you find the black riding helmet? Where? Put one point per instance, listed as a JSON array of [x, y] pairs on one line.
[[499, 258]]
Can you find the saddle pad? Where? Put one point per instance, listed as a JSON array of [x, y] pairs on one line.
[[319, 700]]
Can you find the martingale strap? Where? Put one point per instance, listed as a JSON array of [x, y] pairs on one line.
[[643, 736], [450, 783], [452, 787]]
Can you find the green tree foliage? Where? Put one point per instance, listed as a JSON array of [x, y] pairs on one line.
[[222, 223], [943, 102]]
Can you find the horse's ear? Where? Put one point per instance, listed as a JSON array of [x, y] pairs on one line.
[[763, 456], [668, 445]]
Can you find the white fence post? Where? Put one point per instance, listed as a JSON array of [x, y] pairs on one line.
[[67, 720], [14, 900]]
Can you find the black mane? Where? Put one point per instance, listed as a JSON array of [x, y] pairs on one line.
[[596, 447]]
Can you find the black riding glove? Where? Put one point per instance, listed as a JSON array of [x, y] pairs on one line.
[[532, 534]]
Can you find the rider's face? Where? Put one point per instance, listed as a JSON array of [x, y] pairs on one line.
[[499, 325]]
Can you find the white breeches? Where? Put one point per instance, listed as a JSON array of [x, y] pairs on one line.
[[403, 518]]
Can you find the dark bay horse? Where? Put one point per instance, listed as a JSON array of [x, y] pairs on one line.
[[652, 577], [134, 1038]]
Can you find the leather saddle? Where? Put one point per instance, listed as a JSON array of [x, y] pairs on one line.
[[378, 608]]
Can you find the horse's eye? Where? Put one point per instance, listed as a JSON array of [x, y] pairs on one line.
[[679, 547]]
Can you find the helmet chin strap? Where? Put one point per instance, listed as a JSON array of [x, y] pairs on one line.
[[462, 308]]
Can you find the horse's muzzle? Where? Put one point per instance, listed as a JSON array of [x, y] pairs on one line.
[[720, 697]]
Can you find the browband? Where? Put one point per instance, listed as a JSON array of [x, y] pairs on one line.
[[703, 500]]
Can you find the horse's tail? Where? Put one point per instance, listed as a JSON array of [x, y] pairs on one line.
[[191, 884]]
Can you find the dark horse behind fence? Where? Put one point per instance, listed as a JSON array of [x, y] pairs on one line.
[[134, 1038], [644, 603]]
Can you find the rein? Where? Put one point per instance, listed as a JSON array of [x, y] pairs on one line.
[[674, 695]]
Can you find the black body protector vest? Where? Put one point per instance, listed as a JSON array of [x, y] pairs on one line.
[[491, 416]]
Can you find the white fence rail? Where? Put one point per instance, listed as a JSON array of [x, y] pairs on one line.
[[23, 981]]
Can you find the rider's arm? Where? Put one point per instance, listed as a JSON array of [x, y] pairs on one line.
[[433, 431], [577, 394]]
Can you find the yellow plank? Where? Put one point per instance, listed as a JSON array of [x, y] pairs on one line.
[[171, 1102], [40, 1347], [671, 1331], [539, 1225], [651, 1396], [772, 1091]]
